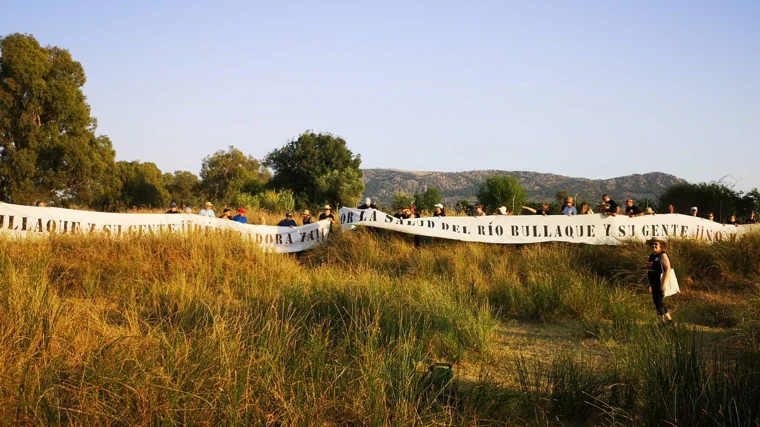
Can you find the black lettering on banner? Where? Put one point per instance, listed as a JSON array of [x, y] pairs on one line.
[[455, 228], [289, 240], [444, 226], [2, 221], [361, 216], [684, 230], [499, 230], [481, 230], [558, 232], [303, 236], [388, 218], [591, 231], [621, 231], [51, 226], [278, 239], [430, 224], [373, 217], [569, 231], [23, 223], [38, 226], [464, 230], [515, 231], [655, 230], [607, 229]]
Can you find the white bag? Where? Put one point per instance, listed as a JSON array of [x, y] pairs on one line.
[[672, 287]]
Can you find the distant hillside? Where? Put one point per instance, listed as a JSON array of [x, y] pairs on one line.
[[380, 184]]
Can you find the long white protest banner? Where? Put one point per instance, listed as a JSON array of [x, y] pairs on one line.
[[590, 229], [29, 221]]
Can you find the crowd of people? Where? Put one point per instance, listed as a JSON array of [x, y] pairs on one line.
[[240, 215]]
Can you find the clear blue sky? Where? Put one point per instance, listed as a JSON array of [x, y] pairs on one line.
[[593, 89]]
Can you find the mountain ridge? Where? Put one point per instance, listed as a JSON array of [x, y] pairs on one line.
[[382, 183]]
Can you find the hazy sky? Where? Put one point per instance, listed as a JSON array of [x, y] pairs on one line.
[[593, 89]]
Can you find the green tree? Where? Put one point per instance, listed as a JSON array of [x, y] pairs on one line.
[[142, 185], [318, 168], [402, 200], [709, 197], [227, 174], [184, 188], [464, 206], [48, 147], [501, 190], [427, 199]]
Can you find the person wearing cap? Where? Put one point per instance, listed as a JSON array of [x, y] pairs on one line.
[[207, 210], [693, 211], [173, 208], [240, 217], [609, 206], [306, 217], [226, 214], [288, 221], [632, 210], [501, 210], [569, 208], [368, 204], [658, 273], [439, 211], [327, 214]]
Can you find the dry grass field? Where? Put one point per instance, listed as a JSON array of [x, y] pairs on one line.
[[367, 330]]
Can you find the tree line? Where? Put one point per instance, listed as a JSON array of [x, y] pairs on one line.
[[50, 151]]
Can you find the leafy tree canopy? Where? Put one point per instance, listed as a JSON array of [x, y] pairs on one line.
[[402, 200], [227, 174], [142, 185], [501, 190], [710, 197], [48, 147], [184, 188], [427, 199], [318, 168]]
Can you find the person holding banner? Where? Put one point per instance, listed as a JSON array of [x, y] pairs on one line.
[[609, 206], [658, 273], [327, 214]]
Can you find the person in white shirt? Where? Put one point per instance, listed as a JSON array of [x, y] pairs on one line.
[[207, 210]]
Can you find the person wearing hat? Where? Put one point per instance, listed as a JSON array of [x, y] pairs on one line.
[[658, 271], [694, 211], [306, 217], [207, 210], [226, 214], [240, 217], [327, 214], [439, 211], [501, 210], [173, 208], [368, 204], [288, 221], [649, 211]]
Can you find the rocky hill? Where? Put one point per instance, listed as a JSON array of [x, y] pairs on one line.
[[380, 184]]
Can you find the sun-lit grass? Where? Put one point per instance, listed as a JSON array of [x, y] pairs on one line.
[[196, 329]]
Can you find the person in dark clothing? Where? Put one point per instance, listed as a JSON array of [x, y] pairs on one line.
[[327, 214], [543, 211], [751, 219], [173, 208], [288, 221], [368, 204], [306, 217], [399, 213], [609, 207], [658, 269], [226, 214], [732, 220], [711, 216], [439, 210], [632, 210]]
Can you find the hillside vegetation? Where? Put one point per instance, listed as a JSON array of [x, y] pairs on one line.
[[198, 330], [380, 184]]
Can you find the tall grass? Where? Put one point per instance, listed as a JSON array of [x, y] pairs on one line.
[[367, 330]]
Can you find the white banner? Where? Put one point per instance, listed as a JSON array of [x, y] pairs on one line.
[[592, 229], [28, 221]]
